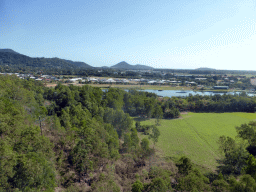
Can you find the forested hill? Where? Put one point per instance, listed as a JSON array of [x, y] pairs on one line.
[[14, 60], [8, 51], [79, 64], [71, 138]]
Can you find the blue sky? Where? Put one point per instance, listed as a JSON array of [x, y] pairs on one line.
[[186, 34]]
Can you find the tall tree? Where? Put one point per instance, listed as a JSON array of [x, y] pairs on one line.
[[155, 133]]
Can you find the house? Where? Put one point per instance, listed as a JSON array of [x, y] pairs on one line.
[[110, 80], [91, 79], [152, 82], [75, 79]]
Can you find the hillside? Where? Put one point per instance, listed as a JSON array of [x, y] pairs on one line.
[[12, 59], [79, 64], [66, 139], [125, 65], [8, 51]]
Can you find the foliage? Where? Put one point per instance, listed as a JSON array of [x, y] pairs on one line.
[[184, 165], [145, 146], [33, 172], [251, 166], [160, 180], [155, 134], [26, 159], [246, 184], [157, 185], [194, 181], [248, 132], [105, 184], [235, 156], [137, 186], [216, 103]]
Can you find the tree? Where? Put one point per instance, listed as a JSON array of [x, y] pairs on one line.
[[127, 143], [112, 141], [80, 157], [235, 155], [158, 114], [248, 132], [193, 181], [145, 146], [246, 184], [251, 166], [137, 186], [158, 185], [138, 125], [220, 184], [226, 144], [33, 171], [155, 134], [184, 165], [134, 138], [121, 121]]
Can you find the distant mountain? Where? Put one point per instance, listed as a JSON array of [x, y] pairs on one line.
[[8, 51], [142, 67], [79, 64], [205, 69], [12, 59], [124, 65]]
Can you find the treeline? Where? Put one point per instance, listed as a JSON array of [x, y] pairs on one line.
[[216, 103], [139, 103]]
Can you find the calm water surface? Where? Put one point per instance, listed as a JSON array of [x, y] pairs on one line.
[[184, 93]]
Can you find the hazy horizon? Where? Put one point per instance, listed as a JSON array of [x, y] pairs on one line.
[[165, 34]]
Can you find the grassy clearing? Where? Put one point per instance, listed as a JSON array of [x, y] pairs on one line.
[[196, 134]]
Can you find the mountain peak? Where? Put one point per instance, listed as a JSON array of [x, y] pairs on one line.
[[8, 51], [125, 65]]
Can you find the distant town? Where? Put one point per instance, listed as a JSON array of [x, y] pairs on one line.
[[199, 82]]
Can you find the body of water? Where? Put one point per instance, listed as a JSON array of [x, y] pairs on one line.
[[185, 93]]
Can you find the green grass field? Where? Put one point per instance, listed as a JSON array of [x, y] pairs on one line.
[[196, 134]]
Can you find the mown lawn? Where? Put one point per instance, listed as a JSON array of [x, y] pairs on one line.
[[196, 134]]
